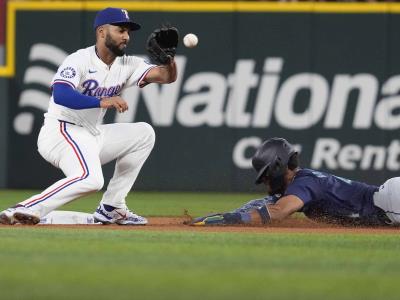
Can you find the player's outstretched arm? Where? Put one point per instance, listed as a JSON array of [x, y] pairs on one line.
[[162, 73], [282, 209]]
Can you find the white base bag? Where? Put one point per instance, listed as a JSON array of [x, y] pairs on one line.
[[63, 217]]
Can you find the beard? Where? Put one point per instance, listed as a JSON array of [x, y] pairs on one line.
[[276, 185], [113, 47]]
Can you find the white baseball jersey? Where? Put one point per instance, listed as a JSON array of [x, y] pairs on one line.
[[84, 71]]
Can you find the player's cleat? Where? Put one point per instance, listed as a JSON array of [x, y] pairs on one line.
[[7, 217], [19, 214], [216, 219], [108, 214]]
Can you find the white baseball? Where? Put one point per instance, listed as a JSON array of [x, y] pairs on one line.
[[190, 40]]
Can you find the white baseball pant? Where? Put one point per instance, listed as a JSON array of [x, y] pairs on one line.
[[80, 155], [388, 199]]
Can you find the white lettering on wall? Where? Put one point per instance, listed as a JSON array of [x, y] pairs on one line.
[[330, 153], [213, 99]]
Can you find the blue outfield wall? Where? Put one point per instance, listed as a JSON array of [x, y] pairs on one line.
[[327, 81]]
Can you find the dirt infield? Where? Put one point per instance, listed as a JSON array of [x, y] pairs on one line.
[[291, 225]]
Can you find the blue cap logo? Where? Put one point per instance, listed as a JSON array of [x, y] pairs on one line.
[[126, 13], [114, 16]]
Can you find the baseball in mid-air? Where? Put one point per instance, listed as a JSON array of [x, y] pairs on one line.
[[190, 40]]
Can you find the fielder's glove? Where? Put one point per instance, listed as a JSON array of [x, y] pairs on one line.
[[162, 44]]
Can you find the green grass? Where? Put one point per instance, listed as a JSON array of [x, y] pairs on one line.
[[41, 263], [46, 263]]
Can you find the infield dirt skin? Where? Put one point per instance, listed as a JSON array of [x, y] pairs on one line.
[[291, 225]]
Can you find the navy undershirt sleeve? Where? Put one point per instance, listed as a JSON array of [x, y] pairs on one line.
[[66, 96]]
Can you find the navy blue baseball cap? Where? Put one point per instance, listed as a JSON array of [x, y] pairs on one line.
[[114, 16]]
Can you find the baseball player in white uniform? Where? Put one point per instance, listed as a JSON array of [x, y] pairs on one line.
[[73, 138]]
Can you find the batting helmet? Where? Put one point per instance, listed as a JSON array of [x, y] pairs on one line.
[[271, 160]]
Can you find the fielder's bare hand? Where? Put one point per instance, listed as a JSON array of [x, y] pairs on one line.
[[117, 102]]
